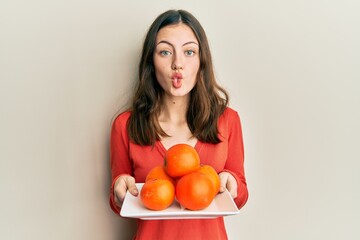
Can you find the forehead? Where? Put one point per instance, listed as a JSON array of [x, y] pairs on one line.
[[176, 34]]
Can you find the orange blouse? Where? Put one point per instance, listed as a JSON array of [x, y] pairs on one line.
[[136, 160]]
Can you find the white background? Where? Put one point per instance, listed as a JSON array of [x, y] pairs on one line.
[[292, 69]]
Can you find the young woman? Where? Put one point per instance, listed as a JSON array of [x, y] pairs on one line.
[[177, 100]]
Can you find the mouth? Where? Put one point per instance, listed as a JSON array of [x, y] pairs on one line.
[[177, 76], [177, 80]]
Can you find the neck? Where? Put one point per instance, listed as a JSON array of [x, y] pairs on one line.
[[174, 109]]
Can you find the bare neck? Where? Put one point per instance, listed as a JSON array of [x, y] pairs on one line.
[[173, 121], [174, 110]]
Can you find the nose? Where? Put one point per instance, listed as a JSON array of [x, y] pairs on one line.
[[177, 63]]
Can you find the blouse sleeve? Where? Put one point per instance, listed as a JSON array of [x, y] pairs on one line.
[[235, 161], [120, 162]]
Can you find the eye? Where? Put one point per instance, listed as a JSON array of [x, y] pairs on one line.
[[165, 53], [189, 52]]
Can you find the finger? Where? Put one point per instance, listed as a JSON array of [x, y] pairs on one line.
[[223, 181], [120, 189], [231, 185], [130, 183]]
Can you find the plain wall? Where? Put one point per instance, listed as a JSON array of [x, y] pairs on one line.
[[292, 71]]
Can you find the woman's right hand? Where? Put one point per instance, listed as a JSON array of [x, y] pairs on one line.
[[122, 184]]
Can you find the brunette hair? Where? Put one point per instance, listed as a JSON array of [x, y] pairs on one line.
[[207, 99]]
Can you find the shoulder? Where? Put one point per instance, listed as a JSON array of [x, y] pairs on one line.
[[229, 114], [228, 119], [230, 124], [121, 120]]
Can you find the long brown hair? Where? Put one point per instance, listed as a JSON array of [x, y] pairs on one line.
[[207, 99]]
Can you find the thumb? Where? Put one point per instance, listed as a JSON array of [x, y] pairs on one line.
[[130, 183], [232, 186], [223, 181]]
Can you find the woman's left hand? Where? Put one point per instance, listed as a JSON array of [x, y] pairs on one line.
[[227, 181]]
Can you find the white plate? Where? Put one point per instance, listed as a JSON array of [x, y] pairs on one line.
[[222, 205]]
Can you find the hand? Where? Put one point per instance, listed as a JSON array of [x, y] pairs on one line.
[[227, 181], [122, 184]]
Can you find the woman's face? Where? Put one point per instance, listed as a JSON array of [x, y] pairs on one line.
[[176, 59]]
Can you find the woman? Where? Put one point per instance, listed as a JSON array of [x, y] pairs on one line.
[[177, 100]]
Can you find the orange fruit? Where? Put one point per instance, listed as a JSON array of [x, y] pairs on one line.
[[210, 172], [157, 194], [181, 159], [158, 172], [194, 191]]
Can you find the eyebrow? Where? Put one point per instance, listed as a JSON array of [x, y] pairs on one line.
[[166, 42]]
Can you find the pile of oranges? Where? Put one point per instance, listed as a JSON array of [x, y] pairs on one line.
[[182, 178]]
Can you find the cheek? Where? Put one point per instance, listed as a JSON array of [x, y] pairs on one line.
[[195, 68], [194, 64], [160, 66], [160, 75]]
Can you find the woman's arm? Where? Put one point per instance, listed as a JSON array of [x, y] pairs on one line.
[[235, 162], [121, 165]]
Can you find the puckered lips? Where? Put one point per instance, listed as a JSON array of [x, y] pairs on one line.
[[176, 79]]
